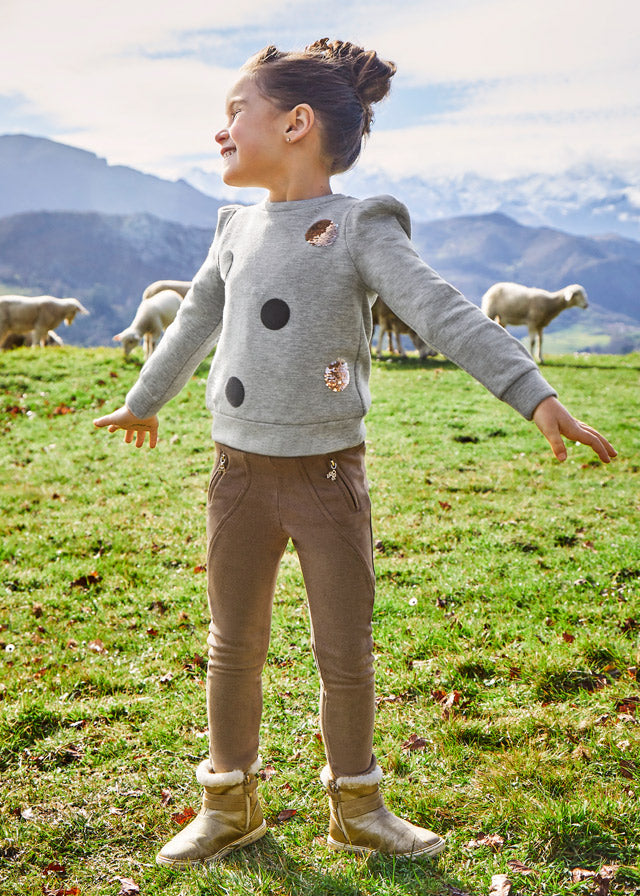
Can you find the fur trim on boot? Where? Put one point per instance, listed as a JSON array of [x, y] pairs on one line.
[[360, 822], [208, 778], [231, 817]]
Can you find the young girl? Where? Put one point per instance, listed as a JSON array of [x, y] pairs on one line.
[[286, 294]]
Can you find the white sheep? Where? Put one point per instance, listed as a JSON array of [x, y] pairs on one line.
[[152, 317], [391, 325], [17, 340], [36, 315], [179, 286], [511, 303]]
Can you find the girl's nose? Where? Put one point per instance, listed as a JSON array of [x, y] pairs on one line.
[[221, 136]]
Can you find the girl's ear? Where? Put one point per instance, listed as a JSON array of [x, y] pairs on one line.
[[299, 122]]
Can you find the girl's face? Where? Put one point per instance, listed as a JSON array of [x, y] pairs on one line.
[[253, 142]]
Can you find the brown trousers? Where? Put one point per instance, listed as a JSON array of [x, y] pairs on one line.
[[256, 504]]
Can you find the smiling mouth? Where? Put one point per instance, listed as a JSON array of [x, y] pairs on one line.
[[228, 153]]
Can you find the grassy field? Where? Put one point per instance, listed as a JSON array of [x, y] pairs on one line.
[[507, 632]]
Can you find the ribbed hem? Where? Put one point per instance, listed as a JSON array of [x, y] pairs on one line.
[[287, 440], [527, 392]]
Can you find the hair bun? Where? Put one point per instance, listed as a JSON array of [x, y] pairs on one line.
[[369, 75]]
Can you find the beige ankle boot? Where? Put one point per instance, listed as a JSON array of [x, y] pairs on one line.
[[361, 823], [230, 817]]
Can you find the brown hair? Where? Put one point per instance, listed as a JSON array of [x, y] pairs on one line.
[[340, 82]]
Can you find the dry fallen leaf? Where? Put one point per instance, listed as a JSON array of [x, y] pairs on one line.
[[627, 768], [520, 868], [628, 705], [500, 885], [606, 874], [97, 646], [414, 743], [127, 886], [286, 815], [87, 581], [60, 891], [184, 816], [54, 868], [166, 795], [493, 841], [601, 879]]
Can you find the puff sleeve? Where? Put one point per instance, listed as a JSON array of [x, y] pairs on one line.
[[378, 238]]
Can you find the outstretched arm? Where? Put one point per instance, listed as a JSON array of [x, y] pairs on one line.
[[554, 421], [132, 425]]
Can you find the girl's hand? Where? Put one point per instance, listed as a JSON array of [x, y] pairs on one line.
[[554, 421], [132, 425]]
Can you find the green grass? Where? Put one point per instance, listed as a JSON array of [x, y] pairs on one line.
[[507, 631]]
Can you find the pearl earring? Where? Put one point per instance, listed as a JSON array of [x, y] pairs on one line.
[[288, 139]]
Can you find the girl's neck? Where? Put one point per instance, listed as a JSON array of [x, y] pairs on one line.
[[304, 187]]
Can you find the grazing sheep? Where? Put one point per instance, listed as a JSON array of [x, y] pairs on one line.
[[179, 286], [37, 315], [18, 340], [390, 325], [510, 303], [153, 316]]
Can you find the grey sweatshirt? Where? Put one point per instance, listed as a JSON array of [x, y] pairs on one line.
[[286, 293]]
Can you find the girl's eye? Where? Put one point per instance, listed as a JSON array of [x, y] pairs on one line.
[[232, 117]]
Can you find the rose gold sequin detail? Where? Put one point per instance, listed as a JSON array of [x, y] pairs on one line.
[[322, 233], [336, 375]]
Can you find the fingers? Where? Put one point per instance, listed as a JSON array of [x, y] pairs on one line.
[[555, 422], [557, 445], [133, 427], [596, 441]]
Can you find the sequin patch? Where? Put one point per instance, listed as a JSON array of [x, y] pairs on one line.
[[322, 233], [336, 375]]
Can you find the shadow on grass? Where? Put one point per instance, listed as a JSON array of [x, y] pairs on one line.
[[267, 867], [582, 363]]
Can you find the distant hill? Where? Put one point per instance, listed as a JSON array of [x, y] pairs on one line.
[[107, 260], [42, 175], [104, 260], [478, 250]]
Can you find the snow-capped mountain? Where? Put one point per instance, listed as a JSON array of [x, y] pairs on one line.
[[584, 200]]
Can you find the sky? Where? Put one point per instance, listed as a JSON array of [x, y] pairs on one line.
[[494, 87]]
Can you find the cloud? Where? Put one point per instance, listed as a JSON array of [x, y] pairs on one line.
[[485, 40], [539, 86], [122, 78], [488, 85]]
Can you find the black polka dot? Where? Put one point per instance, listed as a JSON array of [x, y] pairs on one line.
[[275, 314], [234, 391]]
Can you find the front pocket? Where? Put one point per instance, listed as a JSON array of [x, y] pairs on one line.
[[342, 481], [219, 470]]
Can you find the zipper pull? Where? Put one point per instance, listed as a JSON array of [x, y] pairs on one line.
[[333, 470], [222, 463]]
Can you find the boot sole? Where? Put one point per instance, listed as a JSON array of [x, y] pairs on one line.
[[249, 838], [426, 852]]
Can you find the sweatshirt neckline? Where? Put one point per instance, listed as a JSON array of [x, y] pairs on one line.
[[300, 204]]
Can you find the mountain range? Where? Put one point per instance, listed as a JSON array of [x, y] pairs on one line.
[[70, 224], [583, 200]]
